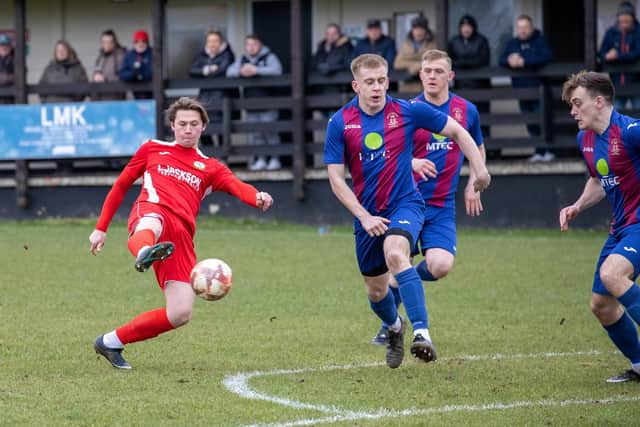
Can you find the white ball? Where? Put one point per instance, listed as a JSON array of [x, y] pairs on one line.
[[211, 279]]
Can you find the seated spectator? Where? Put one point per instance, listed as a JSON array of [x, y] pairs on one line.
[[63, 68], [419, 40], [376, 42], [6, 66], [468, 50], [258, 60], [621, 46], [333, 53], [138, 63], [212, 61], [528, 50], [108, 63]]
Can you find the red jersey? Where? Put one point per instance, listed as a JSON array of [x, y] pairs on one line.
[[176, 178]]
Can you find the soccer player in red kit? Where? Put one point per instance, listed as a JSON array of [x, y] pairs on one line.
[[176, 176]]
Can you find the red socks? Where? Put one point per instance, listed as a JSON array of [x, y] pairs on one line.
[[140, 239], [144, 326]]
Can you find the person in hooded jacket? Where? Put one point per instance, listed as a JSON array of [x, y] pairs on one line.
[[108, 63], [468, 50], [621, 46], [212, 62], [529, 50], [64, 67], [409, 58], [333, 53], [138, 63]]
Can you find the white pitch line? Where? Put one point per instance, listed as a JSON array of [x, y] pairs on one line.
[[239, 384]]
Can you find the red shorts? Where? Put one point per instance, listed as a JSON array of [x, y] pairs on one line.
[[177, 266]]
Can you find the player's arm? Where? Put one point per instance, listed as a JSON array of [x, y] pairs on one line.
[[472, 201], [373, 225], [133, 170], [225, 180], [591, 195]]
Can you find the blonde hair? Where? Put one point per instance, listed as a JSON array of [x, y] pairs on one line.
[[186, 103], [435, 54], [369, 61], [595, 84]]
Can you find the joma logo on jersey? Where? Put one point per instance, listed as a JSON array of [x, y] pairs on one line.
[[352, 127], [587, 149], [187, 177], [440, 145]]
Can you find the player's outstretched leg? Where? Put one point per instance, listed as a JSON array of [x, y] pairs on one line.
[[150, 254], [382, 337], [113, 355]]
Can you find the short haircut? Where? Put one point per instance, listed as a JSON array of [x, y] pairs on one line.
[[214, 33], [596, 84], [190, 104], [435, 54], [334, 25], [369, 61], [253, 37], [525, 18]]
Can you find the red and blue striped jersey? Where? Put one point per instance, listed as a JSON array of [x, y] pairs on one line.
[[446, 154], [378, 149], [614, 158]]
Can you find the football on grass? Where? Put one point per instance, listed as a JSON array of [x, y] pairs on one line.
[[211, 279]]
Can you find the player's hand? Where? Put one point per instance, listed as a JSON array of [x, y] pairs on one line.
[[374, 225], [568, 214], [482, 180], [264, 200], [425, 168], [97, 239], [472, 202]]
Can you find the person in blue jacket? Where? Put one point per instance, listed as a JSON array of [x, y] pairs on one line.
[[376, 42], [528, 50], [138, 64], [621, 46]]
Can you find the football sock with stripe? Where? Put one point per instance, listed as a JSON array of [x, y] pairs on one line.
[[413, 298], [631, 301], [424, 272], [624, 335]]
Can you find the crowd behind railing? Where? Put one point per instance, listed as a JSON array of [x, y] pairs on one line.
[[228, 83]]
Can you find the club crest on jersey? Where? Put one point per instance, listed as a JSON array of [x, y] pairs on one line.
[[615, 148], [198, 165], [457, 114], [392, 120]]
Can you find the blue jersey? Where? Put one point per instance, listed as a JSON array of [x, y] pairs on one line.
[[378, 149], [444, 153], [614, 158]]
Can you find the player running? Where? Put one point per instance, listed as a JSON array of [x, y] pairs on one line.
[[373, 134], [610, 145], [176, 176], [437, 163]]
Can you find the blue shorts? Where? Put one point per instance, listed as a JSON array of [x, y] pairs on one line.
[[406, 220], [439, 229], [625, 242]]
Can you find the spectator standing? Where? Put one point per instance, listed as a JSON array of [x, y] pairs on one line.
[[64, 67], [108, 63], [211, 62], [258, 60], [138, 63], [529, 50], [468, 50], [621, 46], [419, 40], [6, 66], [376, 42]]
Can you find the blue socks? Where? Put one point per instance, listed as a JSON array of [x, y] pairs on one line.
[[396, 295], [624, 335], [631, 302], [413, 298], [385, 309], [424, 272]]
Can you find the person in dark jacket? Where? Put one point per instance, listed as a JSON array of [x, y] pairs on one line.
[[138, 63], [108, 64], [333, 53], [7, 72], [212, 62], [376, 42], [63, 68], [621, 46], [468, 50], [528, 50]]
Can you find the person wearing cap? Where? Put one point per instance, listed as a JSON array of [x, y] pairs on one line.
[[138, 64], [6, 66], [419, 40], [468, 50], [376, 42], [621, 46], [108, 63], [64, 67]]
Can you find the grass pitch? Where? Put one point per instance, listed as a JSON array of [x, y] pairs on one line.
[[298, 302]]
